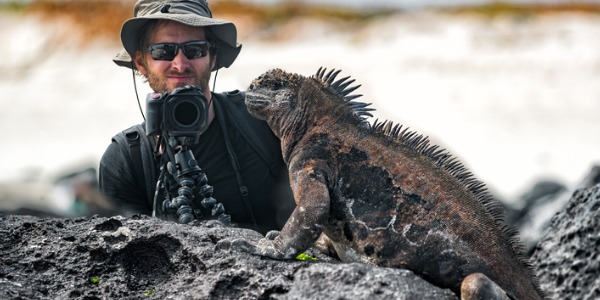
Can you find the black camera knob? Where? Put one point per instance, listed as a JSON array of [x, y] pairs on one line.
[[171, 168]]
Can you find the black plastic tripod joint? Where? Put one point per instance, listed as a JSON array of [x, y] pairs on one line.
[[189, 176]]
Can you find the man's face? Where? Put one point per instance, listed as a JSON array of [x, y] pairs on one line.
[[164, 76]]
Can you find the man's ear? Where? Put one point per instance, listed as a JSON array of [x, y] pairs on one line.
[[139, 63]]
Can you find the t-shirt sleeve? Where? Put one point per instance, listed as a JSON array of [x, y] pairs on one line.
[[118, 183]]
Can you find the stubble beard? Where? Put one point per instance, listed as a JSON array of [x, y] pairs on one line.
[[158, 82]]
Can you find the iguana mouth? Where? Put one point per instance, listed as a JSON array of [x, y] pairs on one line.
[[256, 99]]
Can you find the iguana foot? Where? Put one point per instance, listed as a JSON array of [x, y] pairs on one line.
[[271, 235], [325, 245], [480, 287], [264, 247]]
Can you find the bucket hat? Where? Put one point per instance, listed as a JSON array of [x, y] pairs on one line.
[[189, 12]]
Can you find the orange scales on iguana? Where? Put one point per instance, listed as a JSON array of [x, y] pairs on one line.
[[382, 194]]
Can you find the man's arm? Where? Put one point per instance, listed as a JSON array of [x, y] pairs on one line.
[[118, 183]]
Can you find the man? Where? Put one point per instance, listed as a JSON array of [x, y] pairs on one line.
[[177, 43]]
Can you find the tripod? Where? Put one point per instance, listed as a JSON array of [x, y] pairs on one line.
[[188, 175]]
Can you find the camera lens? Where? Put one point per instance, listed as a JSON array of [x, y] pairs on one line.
[[186, 113]]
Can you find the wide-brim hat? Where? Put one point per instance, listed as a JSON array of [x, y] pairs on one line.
[[189, 12]]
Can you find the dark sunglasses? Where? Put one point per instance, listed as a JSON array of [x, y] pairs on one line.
[[191, 50]]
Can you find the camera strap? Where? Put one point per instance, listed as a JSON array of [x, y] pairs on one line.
[[135, 138], [234, 161]]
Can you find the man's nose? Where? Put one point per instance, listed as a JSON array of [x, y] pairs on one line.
[[180, 61]]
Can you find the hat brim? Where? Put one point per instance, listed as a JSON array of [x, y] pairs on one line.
[[225, 31]]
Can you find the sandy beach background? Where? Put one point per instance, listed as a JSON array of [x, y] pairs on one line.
[[514, 94]]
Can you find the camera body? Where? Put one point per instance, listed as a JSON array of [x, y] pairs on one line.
[[182, 112]]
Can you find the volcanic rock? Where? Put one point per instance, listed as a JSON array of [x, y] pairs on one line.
[[143, 257], [566, 259], [541, 203]]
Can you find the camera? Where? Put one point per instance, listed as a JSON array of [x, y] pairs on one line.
[[182, 112]]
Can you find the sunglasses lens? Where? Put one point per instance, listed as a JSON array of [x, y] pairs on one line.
[[195, 50], [168, 51], [163, 51]]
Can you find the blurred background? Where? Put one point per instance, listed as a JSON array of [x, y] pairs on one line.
[[510, 88]]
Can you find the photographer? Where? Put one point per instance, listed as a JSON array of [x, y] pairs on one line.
[[175, 44]]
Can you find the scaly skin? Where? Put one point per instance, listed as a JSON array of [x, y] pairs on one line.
[[382, 195]]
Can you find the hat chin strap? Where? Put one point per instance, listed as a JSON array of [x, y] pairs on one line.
[[136, 90], [215, 79], [217, 70]]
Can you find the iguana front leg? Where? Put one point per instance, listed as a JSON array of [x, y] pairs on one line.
[[305, 224]]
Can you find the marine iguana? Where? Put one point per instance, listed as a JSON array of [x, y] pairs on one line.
[[381, 193]]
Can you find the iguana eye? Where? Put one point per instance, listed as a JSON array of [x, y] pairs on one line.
[[274, 85]]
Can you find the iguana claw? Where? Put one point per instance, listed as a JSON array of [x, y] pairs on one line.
[[271, 235], [264, 247]]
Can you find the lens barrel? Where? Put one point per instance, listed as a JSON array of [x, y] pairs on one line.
[[180, 113], [186, 112]]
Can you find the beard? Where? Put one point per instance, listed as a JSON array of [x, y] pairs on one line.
[[158, 81]]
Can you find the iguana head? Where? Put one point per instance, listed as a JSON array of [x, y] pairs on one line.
[[291, 102], [273, 96]]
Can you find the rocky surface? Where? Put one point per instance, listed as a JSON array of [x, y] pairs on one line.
[[145, 258], [141, 257], [537, 207], [566, 258]]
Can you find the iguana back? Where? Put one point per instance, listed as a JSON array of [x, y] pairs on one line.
[[382, 194]]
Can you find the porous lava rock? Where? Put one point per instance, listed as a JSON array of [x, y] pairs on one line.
[[147, 258], [567, 259]]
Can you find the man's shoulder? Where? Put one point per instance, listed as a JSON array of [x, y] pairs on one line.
[[234, 109], [233, 106], [256, 132], [234, 97], [132, 139], [130, 134]]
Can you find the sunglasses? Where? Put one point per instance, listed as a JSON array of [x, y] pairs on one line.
[[191, 50]]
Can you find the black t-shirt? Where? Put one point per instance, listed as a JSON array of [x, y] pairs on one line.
[[271, 200], [213, 158]]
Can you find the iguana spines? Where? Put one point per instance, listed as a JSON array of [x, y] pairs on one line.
[[343, 89], [420, 143], [381, 193], [398, 134]]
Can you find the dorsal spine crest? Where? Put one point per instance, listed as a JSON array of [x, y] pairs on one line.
[[342, 89], [396, 133]]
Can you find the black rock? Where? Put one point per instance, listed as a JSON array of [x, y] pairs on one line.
[[567, 259], [541, 203], [142, 257], [360, 281]]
